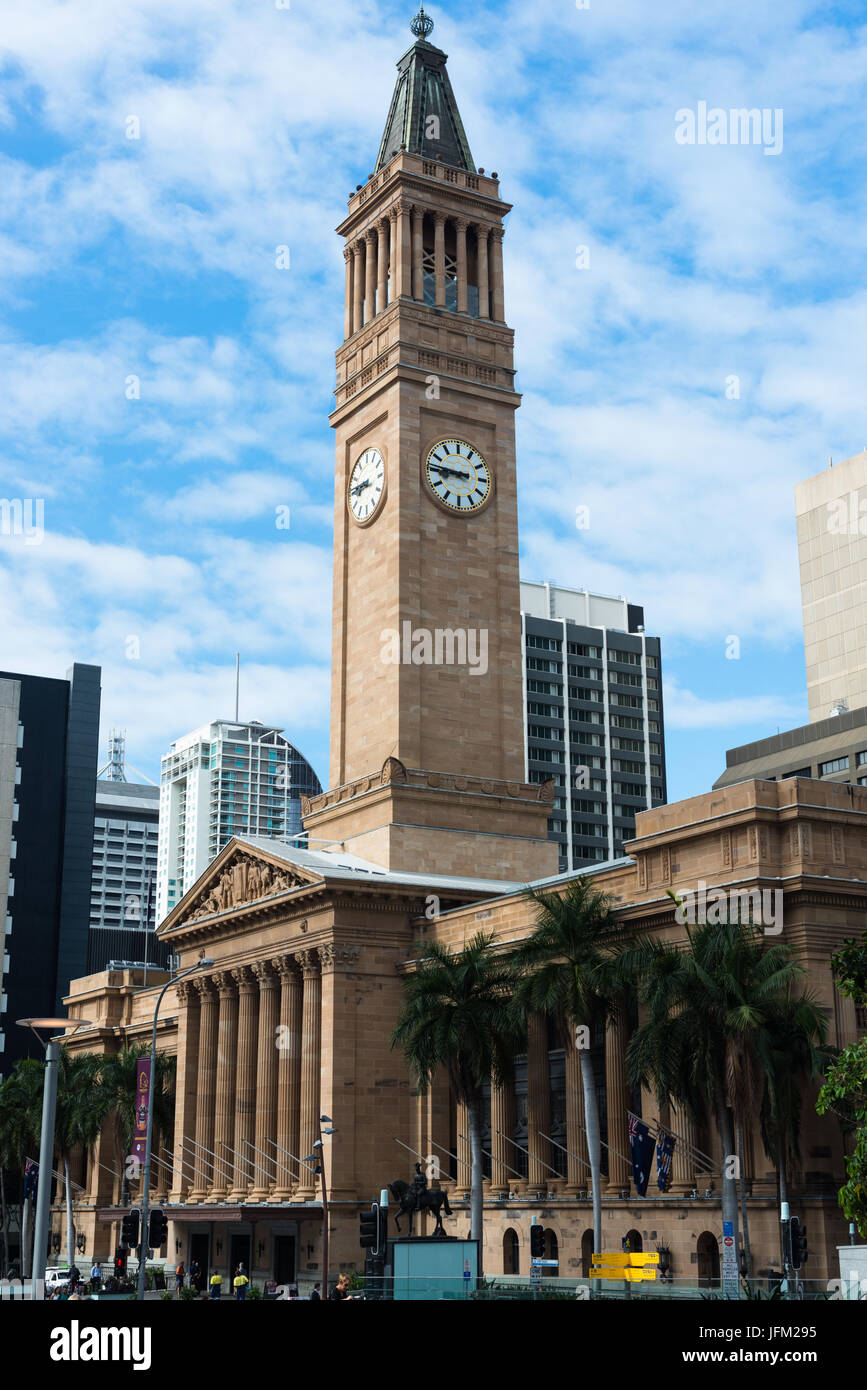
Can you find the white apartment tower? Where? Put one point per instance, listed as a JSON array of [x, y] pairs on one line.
[[224, 779]]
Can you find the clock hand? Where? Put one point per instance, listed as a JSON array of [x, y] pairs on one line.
[[449, 472]]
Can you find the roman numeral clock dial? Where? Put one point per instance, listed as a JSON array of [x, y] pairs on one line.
[[366, 491], [457, 476]]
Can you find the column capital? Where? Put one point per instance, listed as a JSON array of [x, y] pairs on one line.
[[286, 967], [347, 251], [225, 984], [205, 986], [481, 229], [370, 235], [497, 232], [186, 991], [391, 213], [309, 962], [439, 219], [332, 955], [358, 246], [461, 223], [244, 980], [402, 205], [417, 211], [265, 973]]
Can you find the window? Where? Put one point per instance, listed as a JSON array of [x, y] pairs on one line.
[[801, 772], [545, 644], [861, 758], [833, 765]]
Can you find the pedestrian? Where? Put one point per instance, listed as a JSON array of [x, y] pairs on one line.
[[341, 1290], [196, 1276], [240, 1283], [216, 1285], [316, 1296], [95, 1277], [180, 1274]]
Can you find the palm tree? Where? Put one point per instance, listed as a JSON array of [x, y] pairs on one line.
[[118, 1078], [20, 1122], [567, 975], [82, 1104], [708, 1005], [792, 1050], [459, 1013]]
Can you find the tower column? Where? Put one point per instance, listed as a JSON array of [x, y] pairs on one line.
[[461, 258], [206, 1087], [393, 253], [502, 1124], [347, 307], [245, 1096], [357, 285], [682, 1160], [615, 1087], [288, 1076], [462, 1149], [499, 311], [186, 1086], [266, 1078], [538, 1104], [311, 1033], [440, 259], [382, 272], [224, 1102], [403, 254], [482, 258], [370, 275], [417, 253]]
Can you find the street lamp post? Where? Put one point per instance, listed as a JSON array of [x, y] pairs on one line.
[[46, 1139], [145, 1198], [318, 1157]]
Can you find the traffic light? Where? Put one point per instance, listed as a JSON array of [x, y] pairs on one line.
[[158, 1228], [537, 1242], [368, 1231], [798, 1237], [120, 1255], [129, 1228]]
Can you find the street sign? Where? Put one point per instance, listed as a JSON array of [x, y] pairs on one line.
[[730, 1272], [626, 1273], [636, 1258], [554, 1263]]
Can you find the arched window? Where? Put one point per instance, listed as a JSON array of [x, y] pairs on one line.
[[586, 1253], [552, 1249], [634, 1242], [511, 1252], [707, 1250]]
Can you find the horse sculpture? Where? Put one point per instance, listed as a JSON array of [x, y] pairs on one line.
[[410, 1199]]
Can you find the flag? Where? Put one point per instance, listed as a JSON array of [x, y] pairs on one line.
[[31, 1179], [142, 1087], [641, 1153], [664, 1153]]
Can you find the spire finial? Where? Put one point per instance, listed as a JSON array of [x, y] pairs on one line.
[[422, 25]]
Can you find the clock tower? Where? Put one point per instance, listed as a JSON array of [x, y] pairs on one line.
[[427, 716]]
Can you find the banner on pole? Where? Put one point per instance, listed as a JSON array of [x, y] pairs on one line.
[[142, 1092]]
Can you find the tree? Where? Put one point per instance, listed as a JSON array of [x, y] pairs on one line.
[[20, 1123], [459, 1013], [118, 1078], [567, 974], [82, 1104], [792, 1050], [845, 1087], [707, 1005]]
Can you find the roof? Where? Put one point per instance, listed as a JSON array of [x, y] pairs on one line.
[[424, 117], [340, 865]]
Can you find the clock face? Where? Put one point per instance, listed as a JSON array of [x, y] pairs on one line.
[[458, 476], [366, 485]]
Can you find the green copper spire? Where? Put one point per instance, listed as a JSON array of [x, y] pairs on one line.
[[424, 117]]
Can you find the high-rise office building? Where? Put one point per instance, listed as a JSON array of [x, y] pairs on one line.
[[589, 654], [49, 739], [831, 509], [123, 899], [223, 779]]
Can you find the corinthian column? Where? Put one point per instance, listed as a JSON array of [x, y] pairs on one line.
[[370, 275], [417, 253], [464, 1152], [577, 1160], [617, 1102], [538, 1104], [206, 1086], [186, 1086], [497, 274], [382, 272], [357, 285], [482, 259], [288, 1076], [502, 1124], [440, 260], [682, 1161], [266, 1079], [461, 259], [245, 1094], [347, 305], [224, 1104], [404, 251], [311, 1025]]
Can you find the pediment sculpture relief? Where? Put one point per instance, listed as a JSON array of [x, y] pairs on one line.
[[243, 881]]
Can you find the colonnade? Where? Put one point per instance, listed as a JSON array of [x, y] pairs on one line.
[[249, 1060], [387, 262]]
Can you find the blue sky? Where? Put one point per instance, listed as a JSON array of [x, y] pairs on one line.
[[154, 258]]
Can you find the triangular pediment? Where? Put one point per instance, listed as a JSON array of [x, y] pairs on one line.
[[239, 876]]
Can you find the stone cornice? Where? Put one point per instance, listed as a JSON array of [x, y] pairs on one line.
[[394, 773]]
